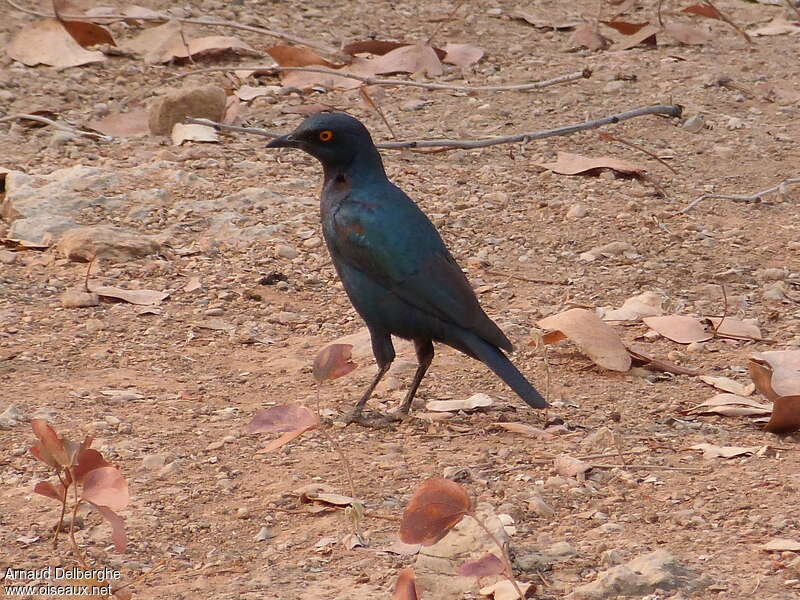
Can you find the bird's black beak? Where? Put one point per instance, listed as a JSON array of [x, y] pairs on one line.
[[284, 141]]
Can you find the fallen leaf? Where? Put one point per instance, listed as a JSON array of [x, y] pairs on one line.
[[378, 47], [781, 545], [192, 132], [641, 358], [213, 44], [406, 587], [575, 164], [588, 36], [284, 417], [714, 451], [434, 509], [596, 339], [776, 373], [703, 10], [327, 498], [785, 415], [735, 328], [726, 384], [414, 58], [686, 34], [525, 429], [462, 55], [47, 42], [88, 34], [626, 28], [332, 362], [505, 590], [485, 566], [730, 405], [568, 466], [141, 297], [646, 34], [16, 245], [544, 21], [471, 403], [646, 304], [679, 328], [778, 26], [129, 124], [153, 43]]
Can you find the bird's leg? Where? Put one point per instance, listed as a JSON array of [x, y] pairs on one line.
[[384, 354], [424, 350]]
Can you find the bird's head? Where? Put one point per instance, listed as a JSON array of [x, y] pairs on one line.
[[335, 139]]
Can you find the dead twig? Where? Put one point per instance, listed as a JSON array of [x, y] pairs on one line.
[[281, 35], [273, 70], [442, 22], [613, 138], [660, 109], [56, 125], [739, 197], [724, 310], [653, 468], [368, 99], [725, 18]]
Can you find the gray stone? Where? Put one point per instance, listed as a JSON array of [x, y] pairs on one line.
[[42, 228], [79, 298], [154, 461], [11, 417], [111, 243], [207, 102], [646, 574]]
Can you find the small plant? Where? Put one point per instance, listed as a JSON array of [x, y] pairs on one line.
[[435, 508], [84, 476]]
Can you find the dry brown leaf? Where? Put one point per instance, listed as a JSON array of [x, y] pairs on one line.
[[588, 36], [525, 429], [703, 10], [333, 361], [377, 47], [778, 26], [730, 405], [726, 384], [781, 545], [735, 328], [153, 43], [414, 58], [785, 415], [776, 373], [328, 498], [574, 164], [686, 34], [679, 328], [568, 466], [462, 55], [505, 590], [471, 403], [213, 44], [129, 124], [48, 42], [714, 451], [140, 297], [88, 34], [292, 56], [192, 132], [646, 34], [436, 506], [405, 588], [646, 304], [596, 339]]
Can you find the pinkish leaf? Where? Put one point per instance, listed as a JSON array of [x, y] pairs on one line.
[[89, 460], [45, 488], [406, 587], [106, 487], [50, 447], [118, 535], [283, 440], [284, 417], [486, 565], [333, 361]]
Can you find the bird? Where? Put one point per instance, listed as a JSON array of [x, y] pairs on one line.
[[393, 264]]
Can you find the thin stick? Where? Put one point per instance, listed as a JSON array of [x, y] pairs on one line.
[[613, 138], [282, 35], [738, 197], [724, 310], [63, 510], [725, 18], [507, 559], [441, 23], [56, 125], [652, 468], [660, 109], [272, 70], [368, 99], [186, 46]]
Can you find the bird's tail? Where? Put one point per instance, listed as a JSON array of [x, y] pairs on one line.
[[498, 362]]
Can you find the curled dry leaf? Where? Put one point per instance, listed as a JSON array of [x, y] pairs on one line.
[[462, 55], [285, 417], [776, 373], [406, 586], [731, 327], [333, 361], [48, 42], [49, 447], [730, 405], [568, 466], [726, 384], [643, 34], [714, 451], [778, 26], [129, 124], [703, 10], [485, 566], [525, 429], [435, 508], [327, 498], [473, 402], [140, 297], [679, 328], [596, 339], [646, 304], [575, 164], [88, 34], [785, 415]]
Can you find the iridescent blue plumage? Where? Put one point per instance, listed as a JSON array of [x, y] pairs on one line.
[[393, 263]]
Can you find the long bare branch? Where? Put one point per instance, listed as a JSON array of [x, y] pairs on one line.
[[56, 125], [738, 197], [660, 109]]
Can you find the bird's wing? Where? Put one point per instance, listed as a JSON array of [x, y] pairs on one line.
[[394, 243]]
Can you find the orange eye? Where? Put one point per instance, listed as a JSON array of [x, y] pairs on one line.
[[326, 136]]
